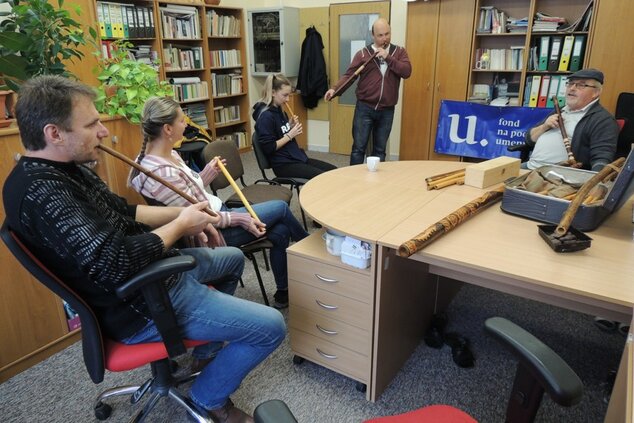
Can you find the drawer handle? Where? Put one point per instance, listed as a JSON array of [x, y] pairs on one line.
[[326, 306], [328, 356], [326, 331], [324, 279]]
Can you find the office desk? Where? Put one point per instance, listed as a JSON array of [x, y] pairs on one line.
[[494, 250]]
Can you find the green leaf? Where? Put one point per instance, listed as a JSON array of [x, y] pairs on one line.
[[14, 41], [13, 65]]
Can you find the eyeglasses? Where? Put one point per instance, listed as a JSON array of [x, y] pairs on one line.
[[580, 85]]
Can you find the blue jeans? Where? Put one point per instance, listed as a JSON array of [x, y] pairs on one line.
[[252, 331], [367, 120], [281, 226]]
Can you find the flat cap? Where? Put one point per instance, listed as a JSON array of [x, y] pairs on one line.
[[590, 73]]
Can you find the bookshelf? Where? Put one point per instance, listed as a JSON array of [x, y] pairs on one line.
[[228, 77], [524, 61], [202, 51]]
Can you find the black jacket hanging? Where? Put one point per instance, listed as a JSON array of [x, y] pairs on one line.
[[312, 80]]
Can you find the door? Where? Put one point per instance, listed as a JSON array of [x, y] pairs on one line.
[[350, 26], [440, 55]]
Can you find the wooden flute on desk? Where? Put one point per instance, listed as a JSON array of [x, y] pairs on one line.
[[449, 222]]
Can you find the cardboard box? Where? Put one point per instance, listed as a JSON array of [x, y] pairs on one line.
[[549, 209]]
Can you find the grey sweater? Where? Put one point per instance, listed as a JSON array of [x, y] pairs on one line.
[[594, 139]]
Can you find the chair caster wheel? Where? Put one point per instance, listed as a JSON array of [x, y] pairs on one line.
[[102, 411], [297, 359], [361, 387]]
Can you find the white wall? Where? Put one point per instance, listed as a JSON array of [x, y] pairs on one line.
[[318, 130]]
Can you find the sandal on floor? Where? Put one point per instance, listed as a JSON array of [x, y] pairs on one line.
[[606, 325], [460, 351], [624, 329]]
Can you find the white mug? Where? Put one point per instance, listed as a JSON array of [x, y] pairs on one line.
[[373, 163]]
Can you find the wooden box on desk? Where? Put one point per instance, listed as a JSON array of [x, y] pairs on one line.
[[491, 172], [550, 209]]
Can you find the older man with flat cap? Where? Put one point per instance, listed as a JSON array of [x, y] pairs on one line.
[[594, 130]]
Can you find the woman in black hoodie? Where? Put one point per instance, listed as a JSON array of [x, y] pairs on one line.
[[277, 135]]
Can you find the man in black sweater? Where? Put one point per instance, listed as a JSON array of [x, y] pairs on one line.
[[94, 240]]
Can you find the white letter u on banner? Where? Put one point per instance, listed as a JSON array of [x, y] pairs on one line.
[[471, 127]]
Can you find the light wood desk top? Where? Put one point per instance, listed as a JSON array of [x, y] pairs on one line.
[[392, 205], [367, 204]]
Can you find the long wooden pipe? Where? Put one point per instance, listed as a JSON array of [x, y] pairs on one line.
[[571, 211], [153, 176], [236, 188], [343, 87], [449, 222], [564, 134]]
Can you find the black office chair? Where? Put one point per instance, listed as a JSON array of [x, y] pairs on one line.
[[264, 164], [101, 353], [539, 370], [260, 245], [625, 112], [262, 190]]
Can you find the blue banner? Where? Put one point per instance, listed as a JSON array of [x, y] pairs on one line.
[[481, 131]]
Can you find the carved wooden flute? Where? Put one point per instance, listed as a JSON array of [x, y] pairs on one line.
[[352, 77], [564, 134], [449, 222], [571, 211]]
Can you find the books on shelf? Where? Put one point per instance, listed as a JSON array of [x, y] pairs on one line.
[[222, 25], [225, 58], [180, 22], [189, 88], [546, 23], [182, 57], [226, 84], [226, 114], [239, 138], [196, 112], [501, 59]]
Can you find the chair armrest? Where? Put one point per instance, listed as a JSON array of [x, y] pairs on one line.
[[157, 271], [285, 180], [273, 411], [266, 181], [519, 147], [150, 282], [551, 371]]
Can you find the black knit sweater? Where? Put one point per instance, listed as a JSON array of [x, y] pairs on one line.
[[84, 234]]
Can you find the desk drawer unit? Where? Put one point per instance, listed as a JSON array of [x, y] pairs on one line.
[[330, 315]]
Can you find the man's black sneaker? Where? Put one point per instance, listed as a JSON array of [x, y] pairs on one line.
[[280, 299]]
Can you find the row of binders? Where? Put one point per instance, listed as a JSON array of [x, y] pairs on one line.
[[189, 89], [557, 53], [182, 57], [225, 58], [540, 90], [125, 20], [222, 25], [180, 22], [226, 114], [224, 84]]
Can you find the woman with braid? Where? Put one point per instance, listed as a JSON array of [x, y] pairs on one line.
[[163, 124]]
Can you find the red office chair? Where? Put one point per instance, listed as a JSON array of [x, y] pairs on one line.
[[539, 370], [101, 353]]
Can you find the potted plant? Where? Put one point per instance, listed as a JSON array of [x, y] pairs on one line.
[[37, 38], [126, 84]]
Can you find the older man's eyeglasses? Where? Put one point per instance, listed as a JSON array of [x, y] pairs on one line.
[[580, 85]]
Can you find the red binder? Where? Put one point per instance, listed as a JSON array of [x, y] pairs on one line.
[[543, 91]]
